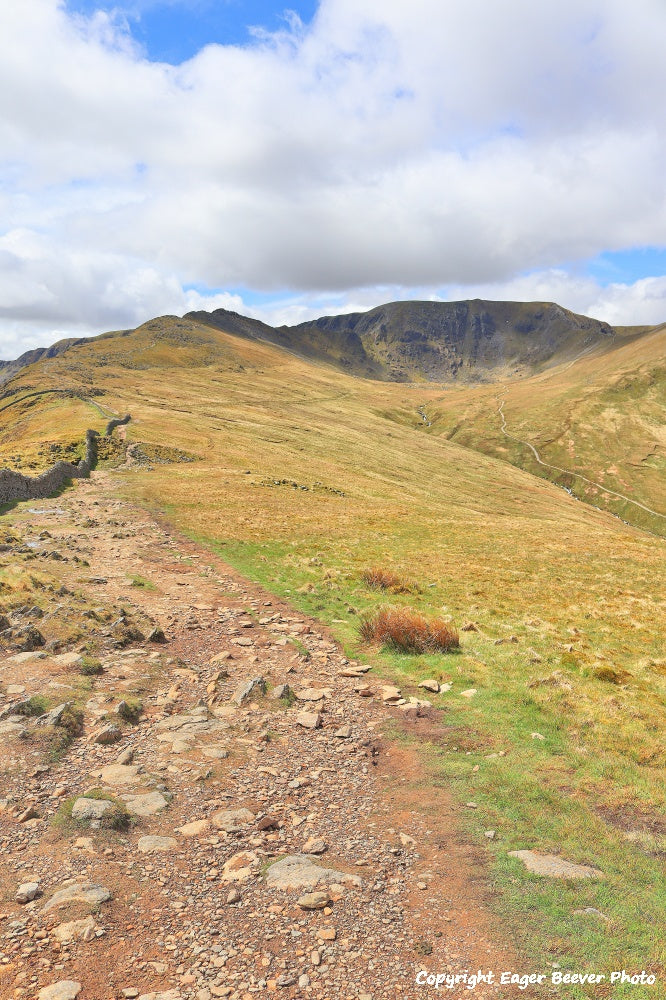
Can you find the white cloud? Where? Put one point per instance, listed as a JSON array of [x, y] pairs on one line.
[[409, 146]]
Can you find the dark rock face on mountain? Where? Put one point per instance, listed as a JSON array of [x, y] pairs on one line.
[[339, 345], [459, 340], [9, 368]]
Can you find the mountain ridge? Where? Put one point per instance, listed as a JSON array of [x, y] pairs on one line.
[[470, 340]]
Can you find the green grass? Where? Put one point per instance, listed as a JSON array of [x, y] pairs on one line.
[[141, 581]]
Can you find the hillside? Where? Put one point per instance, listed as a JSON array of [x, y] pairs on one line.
[[465, 341], [304, 478]]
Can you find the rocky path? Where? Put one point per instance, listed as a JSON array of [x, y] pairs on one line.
[[226, 817]]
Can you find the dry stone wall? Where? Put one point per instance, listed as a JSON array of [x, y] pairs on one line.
[[116, 422], [16, 486]]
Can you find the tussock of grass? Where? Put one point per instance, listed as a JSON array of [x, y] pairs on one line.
[[409, 631], [383, 579], [32, 707], [91, 666]]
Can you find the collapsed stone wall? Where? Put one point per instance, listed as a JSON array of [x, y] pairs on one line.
[[16, 486], [116, 422]]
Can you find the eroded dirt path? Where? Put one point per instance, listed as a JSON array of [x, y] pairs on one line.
[[168, 879]]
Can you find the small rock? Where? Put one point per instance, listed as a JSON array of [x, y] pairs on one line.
[[231, 820], [537, 736], [299, 871], [327, 934], [89, 893], [156, 635], [74, 929], [344, 732], [313, 694], [430, 685], [247, 688], [314, 900], [194, 829], [490, 834], [240, 868], [234, 896], [27, 892], [390, 693], [90, 810], [469, 693], [591, 911], [309, 720], [145, 805], [553, 866], [126, 757], [471, 805], [315, 845], [66, 989], [154, 844], [107, 735], [29, 813], [281, 691]]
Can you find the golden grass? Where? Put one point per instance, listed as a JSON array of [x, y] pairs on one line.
[[409, 631]]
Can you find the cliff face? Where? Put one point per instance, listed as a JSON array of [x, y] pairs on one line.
[[471, 339]]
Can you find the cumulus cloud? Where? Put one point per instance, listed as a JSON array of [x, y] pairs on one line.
[[417, 148]]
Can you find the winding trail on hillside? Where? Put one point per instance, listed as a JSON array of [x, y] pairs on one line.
[[569, 472]]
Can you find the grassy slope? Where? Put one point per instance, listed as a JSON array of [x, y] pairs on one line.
[[483, 540], [602, 417]]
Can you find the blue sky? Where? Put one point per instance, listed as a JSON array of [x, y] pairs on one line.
[[175, 30], [292, 160]]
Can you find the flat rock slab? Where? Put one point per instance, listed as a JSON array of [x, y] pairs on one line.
[[153, 845], [554, 867], [196, 828], [145, 805], [87, 893], [90, 810], [308, 720], [66, 989], [313, 694], [300, 871], [13, 726], [119, 774], [74, 929], [164, 995], [241, 867], [231, 820]]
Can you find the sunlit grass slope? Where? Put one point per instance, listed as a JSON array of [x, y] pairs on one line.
[[305, 477], [602, 417]]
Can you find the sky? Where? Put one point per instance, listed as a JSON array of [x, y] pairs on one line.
[[158, 156]]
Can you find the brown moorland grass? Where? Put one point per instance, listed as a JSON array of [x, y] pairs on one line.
[[558, 589], [379, 578], [409, 631]]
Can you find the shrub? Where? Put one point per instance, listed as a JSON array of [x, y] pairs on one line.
[[32, 707], [409, 631], [91, 667], [384, 579]]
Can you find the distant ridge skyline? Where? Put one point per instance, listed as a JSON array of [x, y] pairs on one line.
[[288, 161]]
